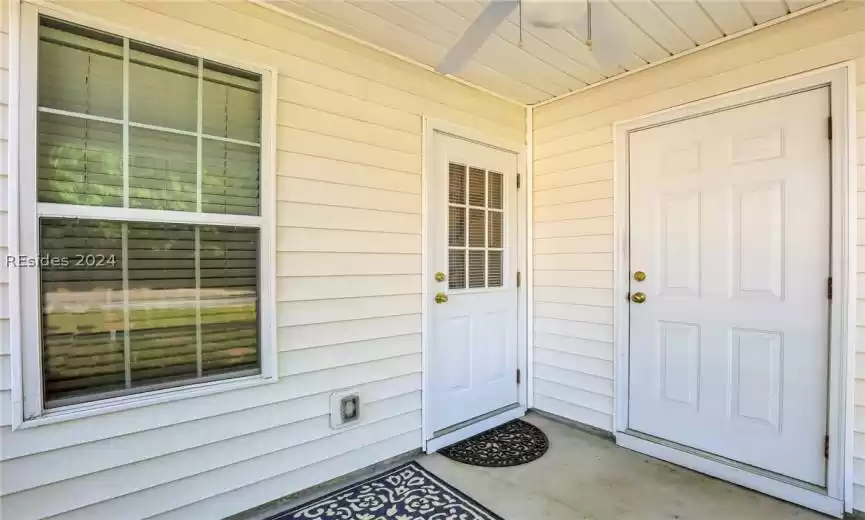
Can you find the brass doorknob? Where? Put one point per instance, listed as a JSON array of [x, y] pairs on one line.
[[441, 297], [638, 297]]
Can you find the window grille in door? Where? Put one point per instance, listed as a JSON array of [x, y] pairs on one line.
[[475, 227]]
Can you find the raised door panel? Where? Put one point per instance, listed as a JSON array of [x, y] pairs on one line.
[[679, 362], [679, 241], [756, 377], [495, 359], [454, 353], [758, 246]]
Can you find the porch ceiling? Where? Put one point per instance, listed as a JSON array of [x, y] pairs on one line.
[[550, 62]]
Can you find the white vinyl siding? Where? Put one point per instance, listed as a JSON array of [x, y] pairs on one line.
[[348, 288], [573, 197]]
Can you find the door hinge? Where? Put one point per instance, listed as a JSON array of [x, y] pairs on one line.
[[829, 127], [518, 381], [518, 181], [826, 446], [829, 287], [519, 279]]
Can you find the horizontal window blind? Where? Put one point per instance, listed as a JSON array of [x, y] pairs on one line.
[[161, 282], [228, 275], [80, 161], [184, 153], [163, 170], [129, 305], [163, 88], [83, 313], [136, 302], [232, 103], [230, 178], [80, 70]]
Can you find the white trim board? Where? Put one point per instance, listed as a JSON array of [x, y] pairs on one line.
[[838, 492], [430, 128], [16, 353], [528, 275]]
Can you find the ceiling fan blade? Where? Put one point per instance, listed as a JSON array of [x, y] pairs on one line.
[[610, 44], [484, 25]]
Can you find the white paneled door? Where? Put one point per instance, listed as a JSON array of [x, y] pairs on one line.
[[730, 223], [473, 262]]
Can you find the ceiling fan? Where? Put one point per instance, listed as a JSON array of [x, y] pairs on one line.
[[592, 20]]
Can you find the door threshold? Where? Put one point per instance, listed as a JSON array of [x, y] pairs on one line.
[[729, 462], [464, 430], [479, 418], [796, 492]]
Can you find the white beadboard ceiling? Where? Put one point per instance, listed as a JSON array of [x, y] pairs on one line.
[[549, 62]]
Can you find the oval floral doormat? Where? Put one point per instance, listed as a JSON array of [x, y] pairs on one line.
[[511, 444]]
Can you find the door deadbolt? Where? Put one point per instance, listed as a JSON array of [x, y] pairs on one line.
[[440, 276], [639, 276]]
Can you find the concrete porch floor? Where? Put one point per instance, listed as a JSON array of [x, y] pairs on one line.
[[585, 477]]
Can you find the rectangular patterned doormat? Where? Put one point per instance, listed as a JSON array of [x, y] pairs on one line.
[[408, 492]]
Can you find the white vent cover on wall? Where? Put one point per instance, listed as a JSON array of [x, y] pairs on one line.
[[345, 409]]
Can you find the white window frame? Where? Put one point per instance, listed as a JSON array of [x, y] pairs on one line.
[[25, 313]]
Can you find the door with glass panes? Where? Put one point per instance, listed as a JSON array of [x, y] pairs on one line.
[[472, 268]]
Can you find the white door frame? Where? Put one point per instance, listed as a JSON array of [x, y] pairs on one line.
[[430, 128], [838, 494]]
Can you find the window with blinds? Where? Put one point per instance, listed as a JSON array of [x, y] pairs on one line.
[[149, 221], [475, 227]]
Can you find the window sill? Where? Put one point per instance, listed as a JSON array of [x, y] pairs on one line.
[[117, 404]]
